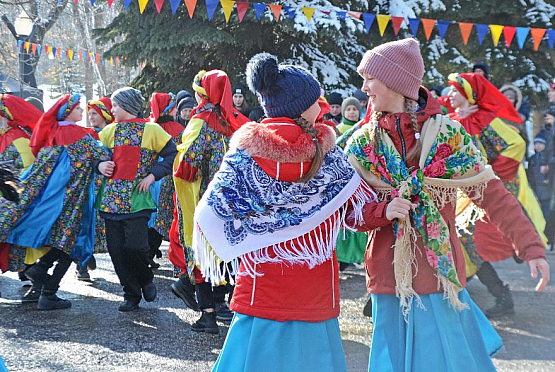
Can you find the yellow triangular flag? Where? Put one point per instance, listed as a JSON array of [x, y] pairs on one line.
[[496, 31], [308, 12], [112, 61], [227, 6], [70, 54], [27, 44], [383, 20], [142, 5]]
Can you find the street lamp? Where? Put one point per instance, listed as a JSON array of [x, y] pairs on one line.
[[24, 26]]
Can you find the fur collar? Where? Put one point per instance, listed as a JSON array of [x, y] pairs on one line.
[[268, 141]]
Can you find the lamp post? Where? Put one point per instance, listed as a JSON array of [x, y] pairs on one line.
[[24, 28]]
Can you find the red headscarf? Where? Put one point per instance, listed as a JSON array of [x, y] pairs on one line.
[[161, 104], [104, 108], [47, 131], [490, 101], [214, 89], [18, 111]]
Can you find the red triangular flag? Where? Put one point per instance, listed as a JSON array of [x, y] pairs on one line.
[[110, 2], [191, 4], [158, 4], [428, 25], [241, 9], [397, 22], [356, 15], [509, 34], [276, 10], [465, 30], [537, 35]]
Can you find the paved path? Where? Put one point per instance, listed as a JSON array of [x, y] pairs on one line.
[[94, 336]]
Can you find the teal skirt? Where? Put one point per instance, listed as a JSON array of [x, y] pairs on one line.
[[256, 344], [435, 339], [3, 366]]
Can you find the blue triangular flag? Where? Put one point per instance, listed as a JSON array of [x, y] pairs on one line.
[[174, 4], [442, 27], [290, 11], [126, 4], [54, 50], [19, 43], [521, 34], [368, 20], [414, 23], [38, 49], [551, 38], [341, 14], [93, 2], [482, 30], [63, 54], [211, 6], [260, 8]]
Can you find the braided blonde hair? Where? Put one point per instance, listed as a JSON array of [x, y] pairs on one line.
[[318, 159]]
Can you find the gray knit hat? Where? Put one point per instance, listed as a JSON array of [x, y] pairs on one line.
[[350, 101], [129, 99]]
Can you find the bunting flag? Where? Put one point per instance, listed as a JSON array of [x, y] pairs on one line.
[[242, 8], [62, 54], [551, 38], [117, 61], [191, 5], [397, 22], [34, 48], [521, 34], [465, 28], [383, 20], [341, 14], [110, 2], [495, 33], [97, 58], [260, 8], [211, 6], [308, 12], [482, 30], [356, 15], [537, 35], [290, 11], [142, 5], [111, 61], [368, 20], [442, 27], [276, 11], [70, 54], [158, 4], [38, 49], [428, 25], [414, 24], [126, 4], [509, 34], [174, 4], [227, 6], [19, 43], [92, 2], [27, 46]]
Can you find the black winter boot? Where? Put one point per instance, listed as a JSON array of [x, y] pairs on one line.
[[33, 294], [504, 304], [49, 301], [206, 323]]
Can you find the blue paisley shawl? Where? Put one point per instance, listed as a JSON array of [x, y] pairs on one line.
[[244, 211]]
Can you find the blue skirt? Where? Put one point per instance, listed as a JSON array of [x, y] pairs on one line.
[[3, 366], [435, 339], [257, 344]]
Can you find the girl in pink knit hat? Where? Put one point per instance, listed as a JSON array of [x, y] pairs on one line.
[[417, 160]]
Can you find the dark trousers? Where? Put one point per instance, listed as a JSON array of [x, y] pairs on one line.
[[154, 241], [488, 276], [51, 283], [127, 242]]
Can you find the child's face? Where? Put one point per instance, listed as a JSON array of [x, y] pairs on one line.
[[351, 113], [539, 147], [335, 110]]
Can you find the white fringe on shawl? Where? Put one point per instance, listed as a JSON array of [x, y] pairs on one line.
[[442, 192], [301, 250]]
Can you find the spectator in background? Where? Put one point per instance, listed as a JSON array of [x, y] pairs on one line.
[[363, 99], [239, 101], [551, 92], [436, 90], [350, 112], [538, 177], [514, 96], [184, 108], [335, 100], [178, 98], [481, 68]]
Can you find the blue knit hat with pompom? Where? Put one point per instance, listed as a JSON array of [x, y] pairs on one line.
[[285, 90]]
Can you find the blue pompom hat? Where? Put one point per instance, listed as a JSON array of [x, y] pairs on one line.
[[284, 90]]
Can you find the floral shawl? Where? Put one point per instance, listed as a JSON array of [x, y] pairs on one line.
[[449, 161]]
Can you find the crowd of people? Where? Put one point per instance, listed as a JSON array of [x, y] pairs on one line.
[[263, 205]]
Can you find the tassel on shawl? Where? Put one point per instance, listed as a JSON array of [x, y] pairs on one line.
[[311, 249]]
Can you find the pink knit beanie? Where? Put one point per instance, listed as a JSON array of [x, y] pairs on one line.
[[397, 64]]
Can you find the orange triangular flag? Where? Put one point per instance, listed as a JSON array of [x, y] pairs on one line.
[[70, 54], [397, 22], [465, 31], [308, 12], [428, 25], [537, 35], [227, 6], [59, 53], [80, 55], [276, 10], [142, 5], [158, 4], [355, 14], [496, 33], [117, 61], [191, 4], [509, 34], [383, 20], [97, 58], [34, 48]]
